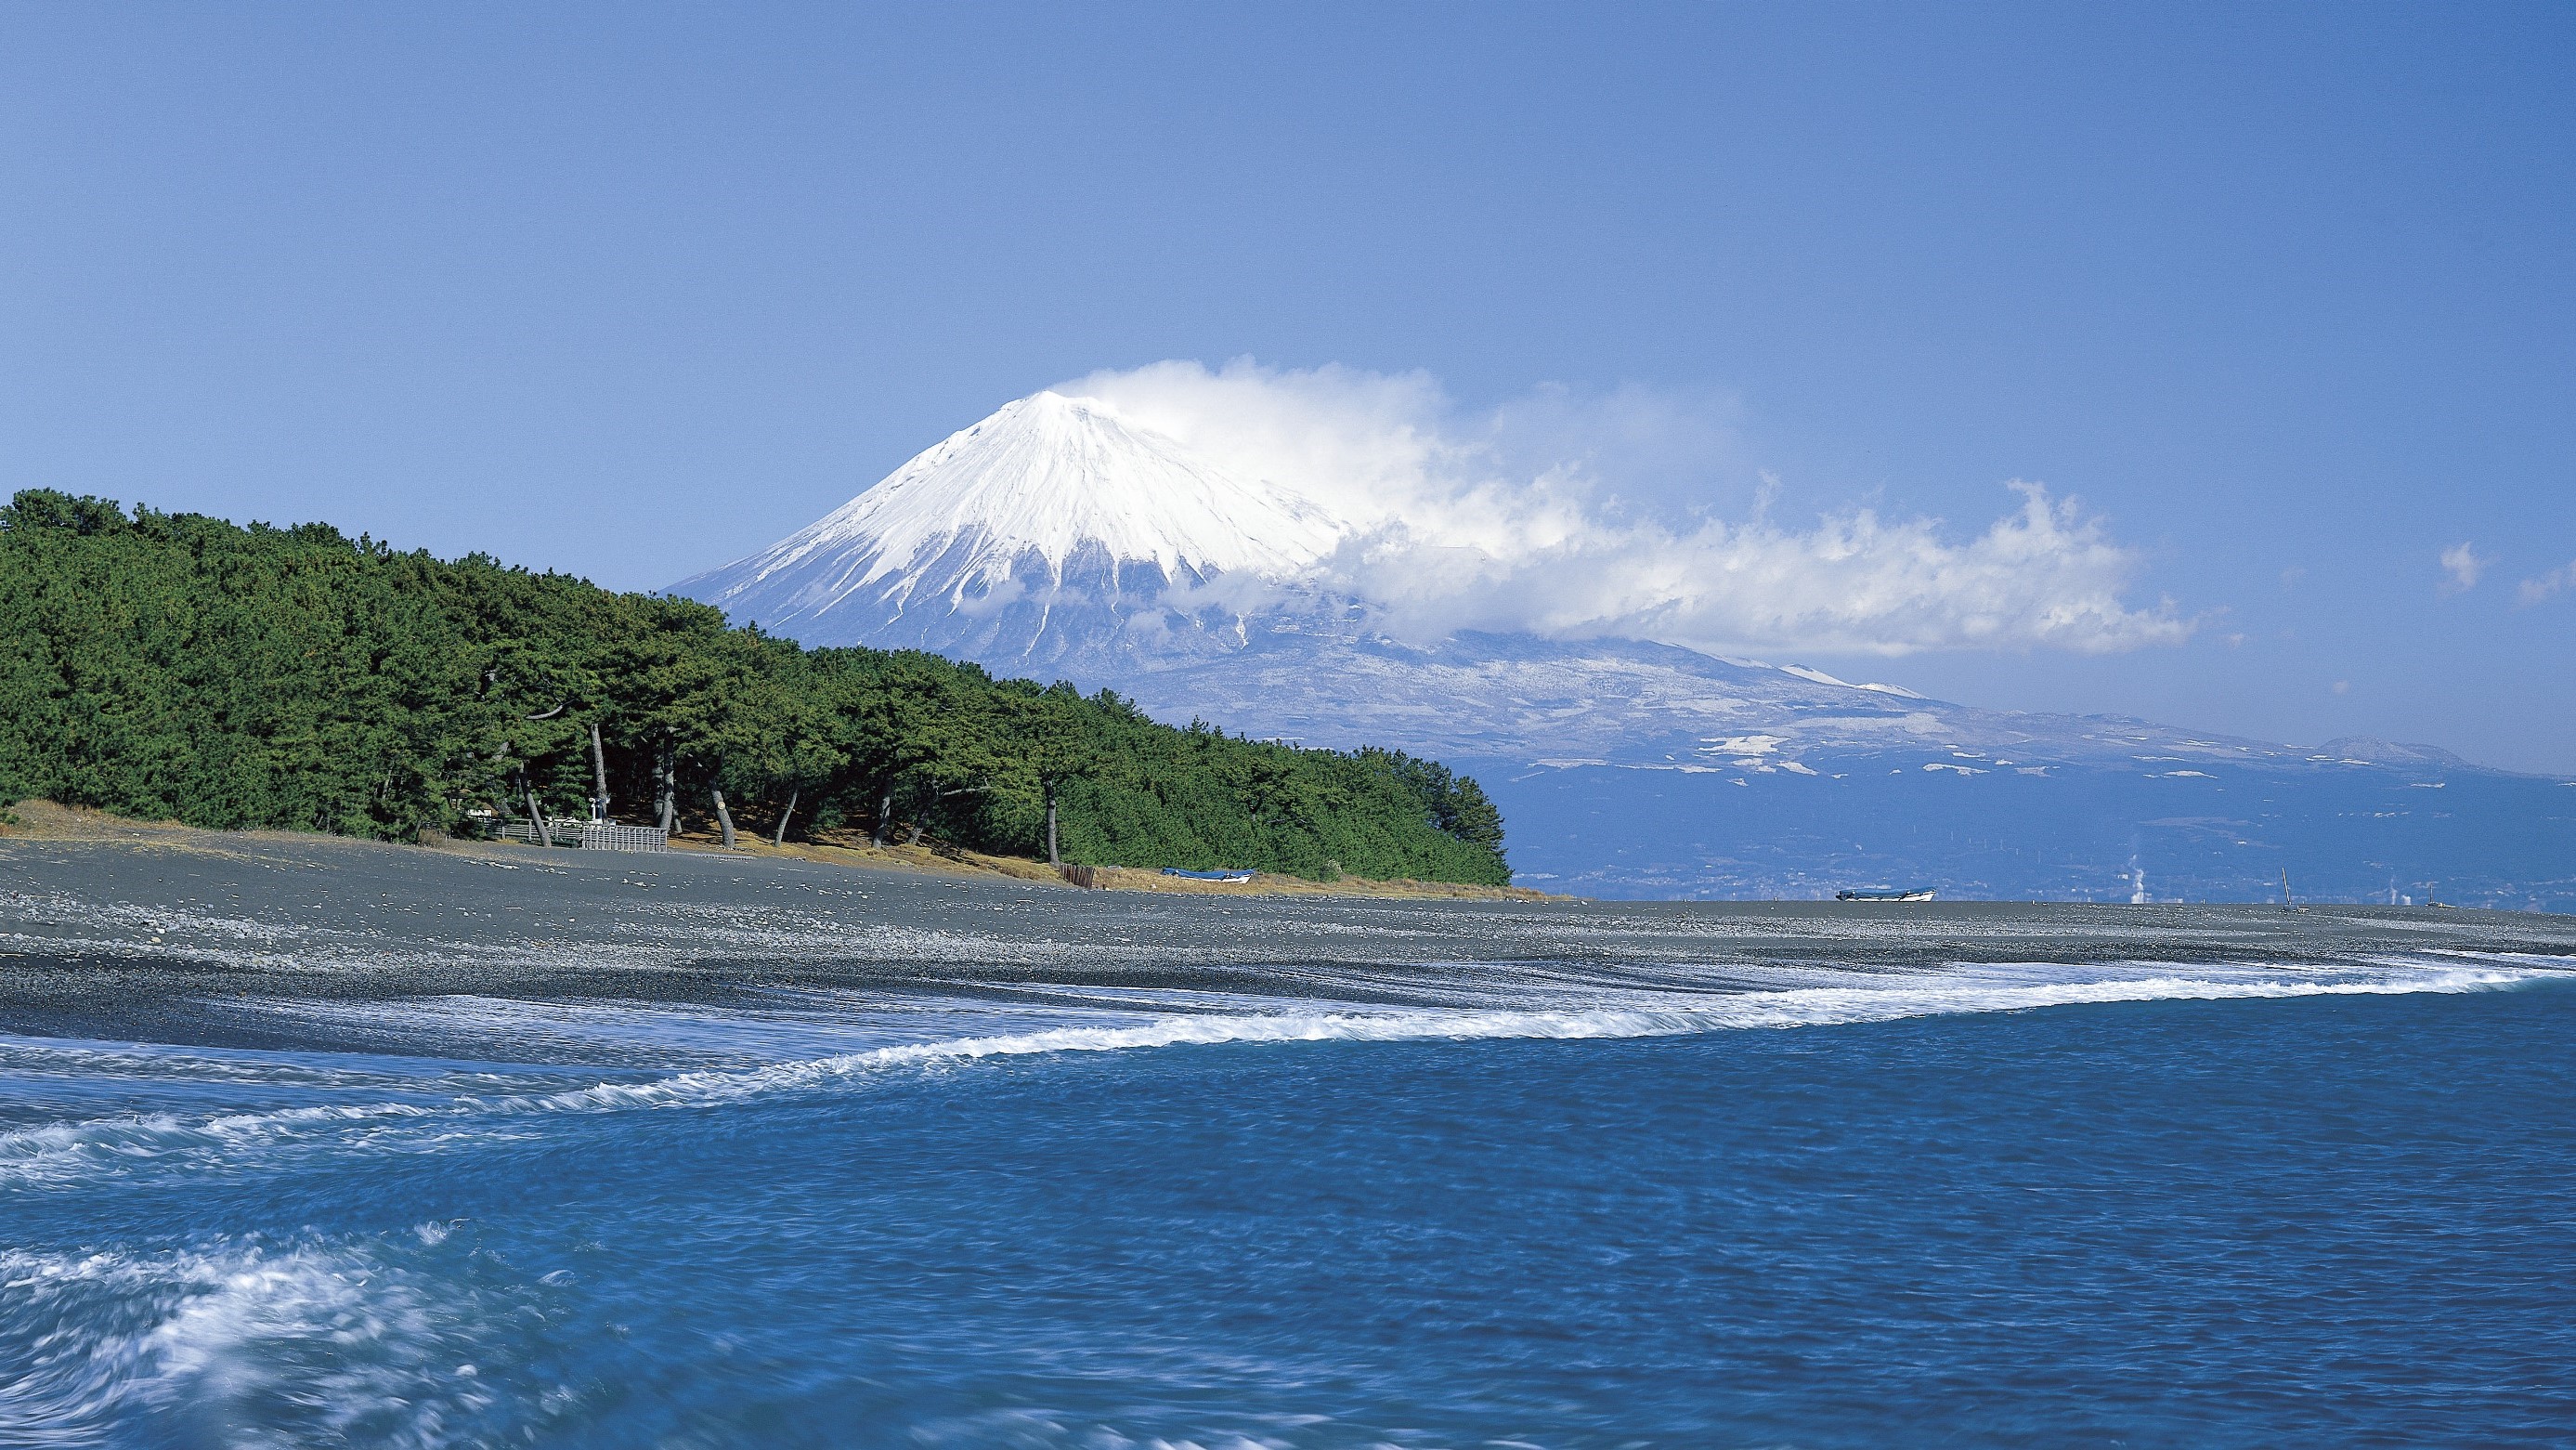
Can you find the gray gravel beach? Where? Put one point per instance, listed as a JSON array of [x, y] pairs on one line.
[[151, 940]]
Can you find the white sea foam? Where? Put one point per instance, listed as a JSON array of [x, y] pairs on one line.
[[55, 1151], [320, 1343], [61, 1152], [1895, 997]]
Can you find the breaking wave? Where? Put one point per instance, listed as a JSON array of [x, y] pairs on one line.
[[248, 1343], [71, 1151]]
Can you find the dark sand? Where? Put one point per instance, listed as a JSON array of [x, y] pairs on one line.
[[148, 939]]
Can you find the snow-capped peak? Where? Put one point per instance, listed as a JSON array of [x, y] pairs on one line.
[[1047, 475]]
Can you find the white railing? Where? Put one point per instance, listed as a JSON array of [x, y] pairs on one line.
[[609, 836], [585, 835]]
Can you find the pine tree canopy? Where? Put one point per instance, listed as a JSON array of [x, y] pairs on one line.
[[178, 666]]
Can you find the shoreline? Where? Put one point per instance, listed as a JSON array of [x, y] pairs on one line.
[[138, 933]]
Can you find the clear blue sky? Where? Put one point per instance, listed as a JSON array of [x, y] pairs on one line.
[[2287, 293]]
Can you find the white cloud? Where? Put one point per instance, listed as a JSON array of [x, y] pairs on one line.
[[2547, 586], [2464, 566], [1580, 516]]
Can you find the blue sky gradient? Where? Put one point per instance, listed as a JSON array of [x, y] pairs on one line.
[[2286, 294]]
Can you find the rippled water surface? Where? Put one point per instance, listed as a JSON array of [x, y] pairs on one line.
[[1506, 1186]]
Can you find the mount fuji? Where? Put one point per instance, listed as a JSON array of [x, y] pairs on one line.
[[1052, 535], [1059, 540]]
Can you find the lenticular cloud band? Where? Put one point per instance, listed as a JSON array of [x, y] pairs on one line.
[[1454, 521]]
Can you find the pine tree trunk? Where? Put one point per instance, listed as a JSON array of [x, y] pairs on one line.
[[665, 788], [598, 775], [885, 812], [784, 817], [537, 814], [1052, 858], [724, 817]]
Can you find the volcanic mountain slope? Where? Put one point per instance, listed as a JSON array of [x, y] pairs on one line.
[[1053, 534], [1060, 540]]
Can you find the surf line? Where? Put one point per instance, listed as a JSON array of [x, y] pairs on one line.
[[52, 1151]]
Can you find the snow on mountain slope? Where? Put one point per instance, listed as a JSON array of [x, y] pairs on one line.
[[1054, 514], [1625, 703], [1638, 770]]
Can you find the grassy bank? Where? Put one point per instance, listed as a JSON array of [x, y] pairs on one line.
[[42, 820]]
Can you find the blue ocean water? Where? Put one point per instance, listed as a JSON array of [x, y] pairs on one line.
[[2041, 1205]]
